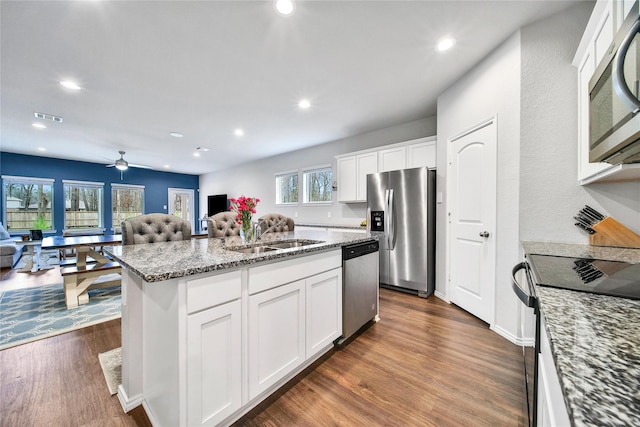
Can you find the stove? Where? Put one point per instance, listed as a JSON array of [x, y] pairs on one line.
[[613, 278]]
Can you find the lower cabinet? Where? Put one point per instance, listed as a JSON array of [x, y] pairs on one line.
[[324, 310], [217, 343], [276, 335], [214, 364], [551, 408]]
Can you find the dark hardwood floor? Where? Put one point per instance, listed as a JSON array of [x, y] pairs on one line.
[[426, 363]]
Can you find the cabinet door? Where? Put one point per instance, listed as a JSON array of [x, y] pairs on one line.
[[324, 310], [393, 159], [551, 408], [213, 364], [367, 163], [276, 335], [422, 154], [347, 179]]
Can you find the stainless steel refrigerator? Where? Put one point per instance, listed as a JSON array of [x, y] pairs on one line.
[[401, 204]]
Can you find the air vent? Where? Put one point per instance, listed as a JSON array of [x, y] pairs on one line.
[[49, 117]]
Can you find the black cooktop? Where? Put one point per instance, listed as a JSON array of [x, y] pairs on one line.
[[614, 278]]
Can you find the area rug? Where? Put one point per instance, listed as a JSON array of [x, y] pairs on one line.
[[111, 363], [31, 314]]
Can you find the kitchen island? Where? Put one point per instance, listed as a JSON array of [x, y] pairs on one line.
[[211, 327], [594, 342]]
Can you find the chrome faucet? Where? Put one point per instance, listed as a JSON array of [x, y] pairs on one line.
[[257, 230]]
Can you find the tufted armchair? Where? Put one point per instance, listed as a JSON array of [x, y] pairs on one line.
[[153, 228], [223, 224], [276, 223]]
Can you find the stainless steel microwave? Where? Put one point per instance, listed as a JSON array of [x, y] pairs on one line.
[[614, 104]]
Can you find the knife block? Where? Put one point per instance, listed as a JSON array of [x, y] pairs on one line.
[[610, 232]]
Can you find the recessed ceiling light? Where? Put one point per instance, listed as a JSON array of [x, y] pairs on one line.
[[166, 166], [284, 7], [445, 44], [42, 149], [196, 154], [70, 85], [202, 149], [38, 125], [238, 132], [176, 134], [304, 104]]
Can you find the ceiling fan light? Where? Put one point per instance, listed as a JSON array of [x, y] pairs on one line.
[[122, 165]]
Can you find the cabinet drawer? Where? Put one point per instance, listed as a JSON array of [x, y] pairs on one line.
[[269, 276], [212, 290]]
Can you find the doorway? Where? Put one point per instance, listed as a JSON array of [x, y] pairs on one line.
[[181, 204]]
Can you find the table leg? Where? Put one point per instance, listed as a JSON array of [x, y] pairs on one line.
[[36, 258]]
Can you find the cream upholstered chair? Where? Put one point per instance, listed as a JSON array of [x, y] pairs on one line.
[[276, 223], [223, 224], [153, 228]]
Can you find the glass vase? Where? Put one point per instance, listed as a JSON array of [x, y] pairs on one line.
[[246, 232]]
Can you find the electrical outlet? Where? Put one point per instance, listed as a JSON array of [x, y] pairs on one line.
[[164, 207], [295, 214], [329, 214]]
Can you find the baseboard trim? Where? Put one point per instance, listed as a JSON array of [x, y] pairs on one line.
[[506, 334], [126, 402], [442, 296]]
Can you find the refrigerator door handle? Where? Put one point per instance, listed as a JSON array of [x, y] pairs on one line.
[[392, 228]]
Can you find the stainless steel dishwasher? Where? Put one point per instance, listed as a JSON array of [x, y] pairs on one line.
[[360, 281]]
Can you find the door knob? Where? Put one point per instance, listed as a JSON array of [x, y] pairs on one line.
[[484, 234]]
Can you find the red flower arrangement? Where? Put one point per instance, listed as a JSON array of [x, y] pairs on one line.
[[245, 207]]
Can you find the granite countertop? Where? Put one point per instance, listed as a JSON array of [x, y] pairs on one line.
[[595, 342], [155, 262]]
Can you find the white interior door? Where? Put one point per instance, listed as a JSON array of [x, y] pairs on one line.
[[472, 218], [181, 204]]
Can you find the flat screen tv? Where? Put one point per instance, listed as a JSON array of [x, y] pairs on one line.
[[217, 203]]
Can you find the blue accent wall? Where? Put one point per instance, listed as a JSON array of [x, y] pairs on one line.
[[156, 192]]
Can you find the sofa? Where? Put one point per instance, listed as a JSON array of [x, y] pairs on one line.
[[9, 251]]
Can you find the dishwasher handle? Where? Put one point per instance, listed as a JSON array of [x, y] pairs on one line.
[[356, 250]]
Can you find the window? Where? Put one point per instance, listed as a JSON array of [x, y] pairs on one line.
[[28, 203], [317, 185], [83, 204], [287, 188], [127, 201]]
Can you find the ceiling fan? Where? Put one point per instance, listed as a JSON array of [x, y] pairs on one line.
[[122, 165]]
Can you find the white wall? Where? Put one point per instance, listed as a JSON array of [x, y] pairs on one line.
[[549, 191], [531, 86], [491, 88], [257, 179]]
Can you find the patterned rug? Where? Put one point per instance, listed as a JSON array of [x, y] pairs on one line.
[[31, 314], [111, 363]]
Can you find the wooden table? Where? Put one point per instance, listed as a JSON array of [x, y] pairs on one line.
[[84, 275]]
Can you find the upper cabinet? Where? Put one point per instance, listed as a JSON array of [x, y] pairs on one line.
[[605, 21], [353, 168]]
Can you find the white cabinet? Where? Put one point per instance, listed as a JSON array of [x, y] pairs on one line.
[[353, 168], [214, 370], [552, 411], [421, 154], [606, 18], [366, 164], [276, 335], [392, 159], [213, 348], [352, 176], [323, 310]]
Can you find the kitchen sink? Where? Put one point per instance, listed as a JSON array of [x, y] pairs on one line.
[[262, 247]]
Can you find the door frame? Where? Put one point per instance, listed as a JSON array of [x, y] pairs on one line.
[[192, 204], [450, 191]]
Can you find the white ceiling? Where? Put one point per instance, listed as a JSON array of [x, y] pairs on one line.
[[205, 68]]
